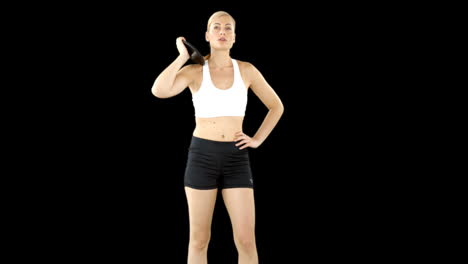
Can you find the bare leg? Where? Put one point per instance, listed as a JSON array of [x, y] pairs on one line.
[[241, 208], [201, 205]]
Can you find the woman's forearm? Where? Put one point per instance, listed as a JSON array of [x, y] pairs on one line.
[[270, 121], [163, 84]]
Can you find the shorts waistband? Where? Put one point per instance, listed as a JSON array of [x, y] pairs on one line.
[[213, 145]]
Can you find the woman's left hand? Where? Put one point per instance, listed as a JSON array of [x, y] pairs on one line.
[[245, 141]]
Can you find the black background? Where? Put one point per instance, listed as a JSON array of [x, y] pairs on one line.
[[116, 154]]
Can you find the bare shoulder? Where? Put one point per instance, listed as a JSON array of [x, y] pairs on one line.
[[248, 70], [245, 66], [259, 85]]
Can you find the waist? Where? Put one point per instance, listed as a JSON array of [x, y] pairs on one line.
[[221, 128]]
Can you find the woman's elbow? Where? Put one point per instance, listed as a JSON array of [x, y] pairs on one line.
[[278, 107], [281, 109], [157, 93]]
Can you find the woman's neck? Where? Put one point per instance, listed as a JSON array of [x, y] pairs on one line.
[[220, 59]]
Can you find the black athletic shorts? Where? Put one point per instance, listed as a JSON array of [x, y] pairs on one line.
[[217, 164]]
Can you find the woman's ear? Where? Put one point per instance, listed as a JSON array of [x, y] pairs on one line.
[[206, 37]]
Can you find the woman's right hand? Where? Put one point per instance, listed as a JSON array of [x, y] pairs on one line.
[[182, 49]]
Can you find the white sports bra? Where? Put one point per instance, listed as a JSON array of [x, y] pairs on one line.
[[210, 101]]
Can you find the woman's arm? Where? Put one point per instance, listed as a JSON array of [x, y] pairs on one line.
[[270, 99], [174, 80]]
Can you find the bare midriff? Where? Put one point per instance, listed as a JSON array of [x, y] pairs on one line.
[[221, 128]]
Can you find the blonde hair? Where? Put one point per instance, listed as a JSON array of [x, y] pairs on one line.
[[219, 14], [212, 17]]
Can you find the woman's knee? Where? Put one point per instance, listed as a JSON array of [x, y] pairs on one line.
[[246, 242], [199, 239]]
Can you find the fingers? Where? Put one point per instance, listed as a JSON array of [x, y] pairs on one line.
[[245, 146], [240, 136], [181, 47], [242, 142]]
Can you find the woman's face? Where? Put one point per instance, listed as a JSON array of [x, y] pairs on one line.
[[221, 33]]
